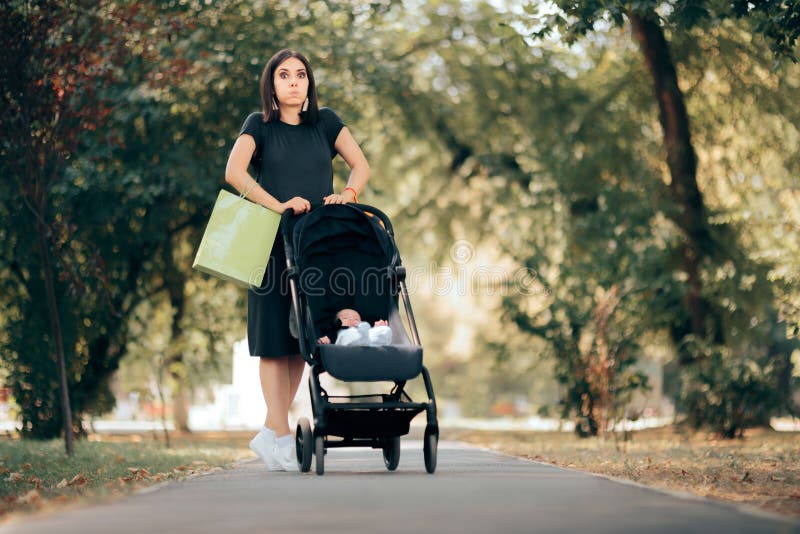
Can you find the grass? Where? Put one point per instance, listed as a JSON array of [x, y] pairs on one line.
[[763, 469], [35, 475]]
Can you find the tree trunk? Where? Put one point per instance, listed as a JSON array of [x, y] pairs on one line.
[[180, 409], [162, 398], [55, 328], [690, 215], [175, 364]]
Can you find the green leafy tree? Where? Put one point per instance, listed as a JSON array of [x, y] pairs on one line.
[[705, 245], [62, 75], [650, 21]]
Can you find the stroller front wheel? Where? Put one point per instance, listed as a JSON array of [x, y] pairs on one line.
[[429, 446], [391, 453]]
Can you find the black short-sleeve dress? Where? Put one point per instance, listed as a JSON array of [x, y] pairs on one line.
[[289, 161]]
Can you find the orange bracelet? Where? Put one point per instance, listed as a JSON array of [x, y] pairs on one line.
[[355, 195]]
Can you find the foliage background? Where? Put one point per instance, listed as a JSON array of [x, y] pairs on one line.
[[490, 147]]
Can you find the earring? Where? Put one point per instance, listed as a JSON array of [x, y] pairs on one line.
[[274, 104], [305, 105]]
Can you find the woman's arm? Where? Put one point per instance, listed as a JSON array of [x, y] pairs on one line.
[[236, 174], [347, 147]]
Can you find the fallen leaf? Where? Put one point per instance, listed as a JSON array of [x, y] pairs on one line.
[[78, 480], [777, 479], [15, 477], [138, 473], [25, 467], [138, 470], [62, 484], [36, 481], [99, 471], [30, 497]]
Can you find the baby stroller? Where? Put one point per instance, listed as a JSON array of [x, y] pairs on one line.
[[344, 256]]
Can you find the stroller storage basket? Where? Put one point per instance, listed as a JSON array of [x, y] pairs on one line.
[[370, 416], [366, 423]]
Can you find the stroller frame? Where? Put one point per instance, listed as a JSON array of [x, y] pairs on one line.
[[345, 416]]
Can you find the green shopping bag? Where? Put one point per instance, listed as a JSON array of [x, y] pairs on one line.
[[238, 240]]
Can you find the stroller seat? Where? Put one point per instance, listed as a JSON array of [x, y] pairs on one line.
[[371, 364]]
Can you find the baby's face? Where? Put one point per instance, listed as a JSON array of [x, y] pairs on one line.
[[349, 317]]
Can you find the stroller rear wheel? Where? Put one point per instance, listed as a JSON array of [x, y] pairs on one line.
[[391, 453], [319, 452], [303, 443]]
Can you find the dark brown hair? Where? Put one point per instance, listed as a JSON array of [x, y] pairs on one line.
[[268, 88]]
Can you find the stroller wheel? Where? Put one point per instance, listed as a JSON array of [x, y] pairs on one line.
[[319, 452], [303, 442], [429, 447], [391, 453]]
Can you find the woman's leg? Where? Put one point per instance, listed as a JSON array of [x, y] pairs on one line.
[[280, 380], [296, 366], [276, 387]]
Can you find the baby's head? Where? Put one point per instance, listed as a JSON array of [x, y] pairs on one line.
[[348, 317]]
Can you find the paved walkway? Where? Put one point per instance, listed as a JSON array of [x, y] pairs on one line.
[[473, 491]]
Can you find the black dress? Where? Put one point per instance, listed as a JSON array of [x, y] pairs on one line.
[[289, 161]]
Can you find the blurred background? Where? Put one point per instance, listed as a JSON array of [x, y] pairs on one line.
[[597, 204]]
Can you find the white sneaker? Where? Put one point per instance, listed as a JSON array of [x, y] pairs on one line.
[[286, 457], [264, 446]]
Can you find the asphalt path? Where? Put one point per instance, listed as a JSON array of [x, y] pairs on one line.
[[472, 491]]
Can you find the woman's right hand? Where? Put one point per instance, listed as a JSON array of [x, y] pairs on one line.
[[298, 204]]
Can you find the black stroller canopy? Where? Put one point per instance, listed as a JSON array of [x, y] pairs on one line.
[[343, 253]]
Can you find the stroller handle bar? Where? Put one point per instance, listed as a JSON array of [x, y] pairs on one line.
[[375, 212], [364, 207]]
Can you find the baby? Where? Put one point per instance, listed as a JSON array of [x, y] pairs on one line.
[[357, 332]]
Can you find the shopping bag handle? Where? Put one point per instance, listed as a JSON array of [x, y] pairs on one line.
[[247, 191]]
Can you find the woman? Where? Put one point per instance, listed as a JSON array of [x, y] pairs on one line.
[[291, 145]]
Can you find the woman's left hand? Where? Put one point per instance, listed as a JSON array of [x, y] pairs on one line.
[[343, 198]]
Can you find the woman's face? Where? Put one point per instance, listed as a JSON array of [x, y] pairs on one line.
[[291, 83]]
